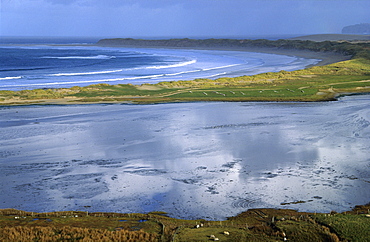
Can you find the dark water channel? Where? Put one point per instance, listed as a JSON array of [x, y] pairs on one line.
[[192, 160]]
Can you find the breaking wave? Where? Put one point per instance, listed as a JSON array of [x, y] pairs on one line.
[[97, 57], [85, 73], [219, 67], [171, 66], [68, 66], [10, 78], [82, 82]]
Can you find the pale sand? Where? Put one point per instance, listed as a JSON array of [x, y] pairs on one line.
[[325, 57]]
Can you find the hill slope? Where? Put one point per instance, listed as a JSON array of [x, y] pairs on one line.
[[333, 37]]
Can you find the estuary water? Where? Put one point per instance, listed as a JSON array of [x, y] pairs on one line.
[[31, 66], [192, 160]]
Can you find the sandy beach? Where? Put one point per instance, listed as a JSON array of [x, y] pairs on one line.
[[206, 62], [325, 57]]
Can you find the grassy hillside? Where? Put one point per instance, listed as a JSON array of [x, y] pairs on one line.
[[334, 37], [252, 225]]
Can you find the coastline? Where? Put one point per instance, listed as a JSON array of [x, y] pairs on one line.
[[174, 91], [329, 51], [255, 221], [326, 58]]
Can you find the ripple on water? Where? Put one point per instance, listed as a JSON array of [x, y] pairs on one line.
[[245, 203]]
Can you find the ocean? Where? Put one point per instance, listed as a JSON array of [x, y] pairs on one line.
[[63, 64]]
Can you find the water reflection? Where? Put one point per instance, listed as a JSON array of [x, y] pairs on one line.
[[193, 160]]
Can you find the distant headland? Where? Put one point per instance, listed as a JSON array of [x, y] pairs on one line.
[[363, 28]]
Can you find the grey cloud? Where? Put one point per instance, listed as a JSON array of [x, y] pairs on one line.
[[182, 18]]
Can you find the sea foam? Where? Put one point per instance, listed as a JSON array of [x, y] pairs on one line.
[[52, 67], [85, 73], [172, 66], [10, 78], [98, 57]]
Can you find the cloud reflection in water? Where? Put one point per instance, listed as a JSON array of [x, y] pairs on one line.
[[193, 160]]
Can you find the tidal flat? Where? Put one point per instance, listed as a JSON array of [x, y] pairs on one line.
[[208, 160]]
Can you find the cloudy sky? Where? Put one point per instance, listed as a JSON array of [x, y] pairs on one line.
[[179, 18]]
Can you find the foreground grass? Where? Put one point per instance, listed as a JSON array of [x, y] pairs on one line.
[[319, 83], [252, 225]]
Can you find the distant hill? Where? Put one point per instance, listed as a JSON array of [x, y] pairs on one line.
[[350, 48], [357, 29], [333, 37]]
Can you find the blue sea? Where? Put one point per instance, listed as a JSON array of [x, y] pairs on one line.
[[63, 64]]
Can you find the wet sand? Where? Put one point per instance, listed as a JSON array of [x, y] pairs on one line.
[[192, 160]]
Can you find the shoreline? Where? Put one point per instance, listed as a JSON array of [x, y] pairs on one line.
[[175, 91], [326, 58]]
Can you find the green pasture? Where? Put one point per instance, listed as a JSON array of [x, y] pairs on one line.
[[252, 225], [347, 226]]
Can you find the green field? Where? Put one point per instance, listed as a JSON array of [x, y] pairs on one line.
[[252, 225]]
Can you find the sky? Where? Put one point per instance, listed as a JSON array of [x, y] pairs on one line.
[[178, 18]]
